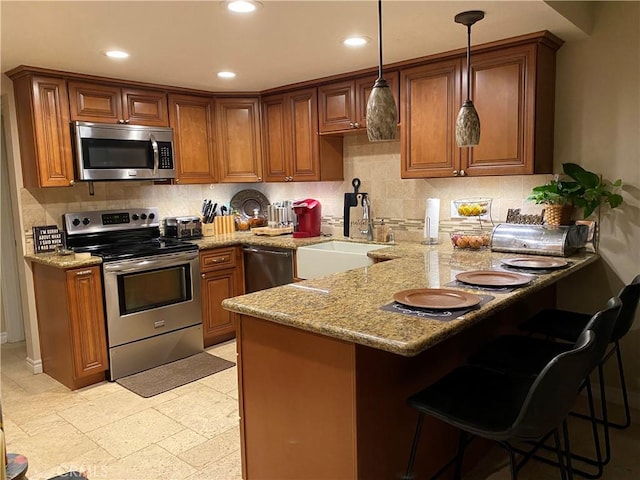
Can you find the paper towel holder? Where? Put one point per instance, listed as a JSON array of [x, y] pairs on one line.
[[428, 239], [431, 222]]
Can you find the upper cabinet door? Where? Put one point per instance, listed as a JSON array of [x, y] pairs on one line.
[[239, 140], [303, 129], [42, 111], [145, 107], [430, 99], [504, 94], [363, 90], [337, 107], [275, 131], [191, 118], [93, 102]]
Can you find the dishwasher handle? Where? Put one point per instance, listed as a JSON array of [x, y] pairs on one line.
[[267, 252]]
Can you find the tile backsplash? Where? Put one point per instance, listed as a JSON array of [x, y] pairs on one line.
[[401, 202]]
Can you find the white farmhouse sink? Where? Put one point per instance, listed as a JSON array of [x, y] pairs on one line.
[[332, 257]]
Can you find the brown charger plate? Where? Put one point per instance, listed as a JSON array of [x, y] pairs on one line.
[[436, 298], [535, 262], [493, 278]]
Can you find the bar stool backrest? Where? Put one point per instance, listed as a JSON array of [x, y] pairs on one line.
[[630, 296], [603, 323], [553, 393]]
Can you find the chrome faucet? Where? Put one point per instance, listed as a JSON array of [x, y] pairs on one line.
[[367, 218]]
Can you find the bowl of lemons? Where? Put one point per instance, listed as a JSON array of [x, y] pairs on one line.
[[473, 207]]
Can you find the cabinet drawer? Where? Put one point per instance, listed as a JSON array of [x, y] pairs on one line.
[[218, 259]]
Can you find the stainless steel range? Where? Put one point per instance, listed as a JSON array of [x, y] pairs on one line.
[[151, 287]]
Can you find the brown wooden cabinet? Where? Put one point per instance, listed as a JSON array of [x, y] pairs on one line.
[[192, 120], [42, 112], [513, 89], [239, 141], [293, 150], [513, 92], [71, 324], [343, 105], [95, 102], [430, 99], [222, 275]]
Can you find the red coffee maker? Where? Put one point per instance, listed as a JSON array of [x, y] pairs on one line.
[[309, 214]]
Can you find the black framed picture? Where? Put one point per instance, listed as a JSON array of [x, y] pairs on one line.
[[46, 238]]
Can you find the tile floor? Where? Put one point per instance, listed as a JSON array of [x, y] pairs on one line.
[[189, 433]]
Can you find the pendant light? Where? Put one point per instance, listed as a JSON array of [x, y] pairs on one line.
[[468, 122], [382, 114]]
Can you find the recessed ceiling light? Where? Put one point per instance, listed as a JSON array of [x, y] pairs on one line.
[[356, 41], [226, 74], [116, 54], [242, 6]]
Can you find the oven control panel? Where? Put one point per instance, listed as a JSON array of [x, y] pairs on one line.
[[110, 220]]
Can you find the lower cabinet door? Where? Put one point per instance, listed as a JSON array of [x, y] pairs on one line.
[[218, 323], [86, 318]]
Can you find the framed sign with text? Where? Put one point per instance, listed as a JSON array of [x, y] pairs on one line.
[[47, 238]]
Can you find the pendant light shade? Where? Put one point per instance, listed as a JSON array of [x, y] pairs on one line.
[[468, 122], [382, 114]]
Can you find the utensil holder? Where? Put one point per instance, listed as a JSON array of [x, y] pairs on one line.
[[208, 230]]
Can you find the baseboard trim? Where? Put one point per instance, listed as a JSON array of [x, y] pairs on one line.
[[35, 365], [3, 337]]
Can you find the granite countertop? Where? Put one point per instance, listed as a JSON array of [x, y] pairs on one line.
[[63, 261], [204, 243], [347, 305]]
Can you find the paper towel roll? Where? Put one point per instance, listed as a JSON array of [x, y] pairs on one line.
[[431, 221]]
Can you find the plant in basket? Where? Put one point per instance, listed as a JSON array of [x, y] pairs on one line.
[[583, 189]]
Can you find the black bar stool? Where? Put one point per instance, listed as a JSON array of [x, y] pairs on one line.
[[508, 408], [565, 325], [527, 356]]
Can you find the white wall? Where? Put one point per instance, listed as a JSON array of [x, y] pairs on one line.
[[597, 126]]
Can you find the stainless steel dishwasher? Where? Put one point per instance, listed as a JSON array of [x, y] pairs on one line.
[[266, 267]]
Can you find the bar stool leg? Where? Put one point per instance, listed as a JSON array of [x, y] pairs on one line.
[[567, 449], [414, 447], [556, 441], [462, 441], [625, 397]]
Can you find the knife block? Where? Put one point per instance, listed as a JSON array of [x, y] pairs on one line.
[[208, 230]]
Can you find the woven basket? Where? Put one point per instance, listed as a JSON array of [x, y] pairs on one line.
[[559, 214]]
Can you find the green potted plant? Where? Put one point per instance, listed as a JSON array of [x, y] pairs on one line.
[[583, 189]]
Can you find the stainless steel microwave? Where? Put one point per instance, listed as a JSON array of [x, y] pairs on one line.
[[123, 152]]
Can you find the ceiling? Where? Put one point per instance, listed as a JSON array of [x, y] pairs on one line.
[[184, 43]]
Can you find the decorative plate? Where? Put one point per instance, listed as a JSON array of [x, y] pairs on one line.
[[246, 201], [493, 278], [436, 298], [541, 262]]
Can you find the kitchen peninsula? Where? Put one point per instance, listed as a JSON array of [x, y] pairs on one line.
[[324, 372]]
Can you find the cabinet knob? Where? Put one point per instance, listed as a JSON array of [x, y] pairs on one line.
[[126, 121], [462, 173], [202, 275], [259, 179], [356, 125], [455, 173], [121, 121], [72, 182]]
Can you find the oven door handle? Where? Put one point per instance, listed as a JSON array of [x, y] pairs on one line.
[[156, 154], [147, 263]]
